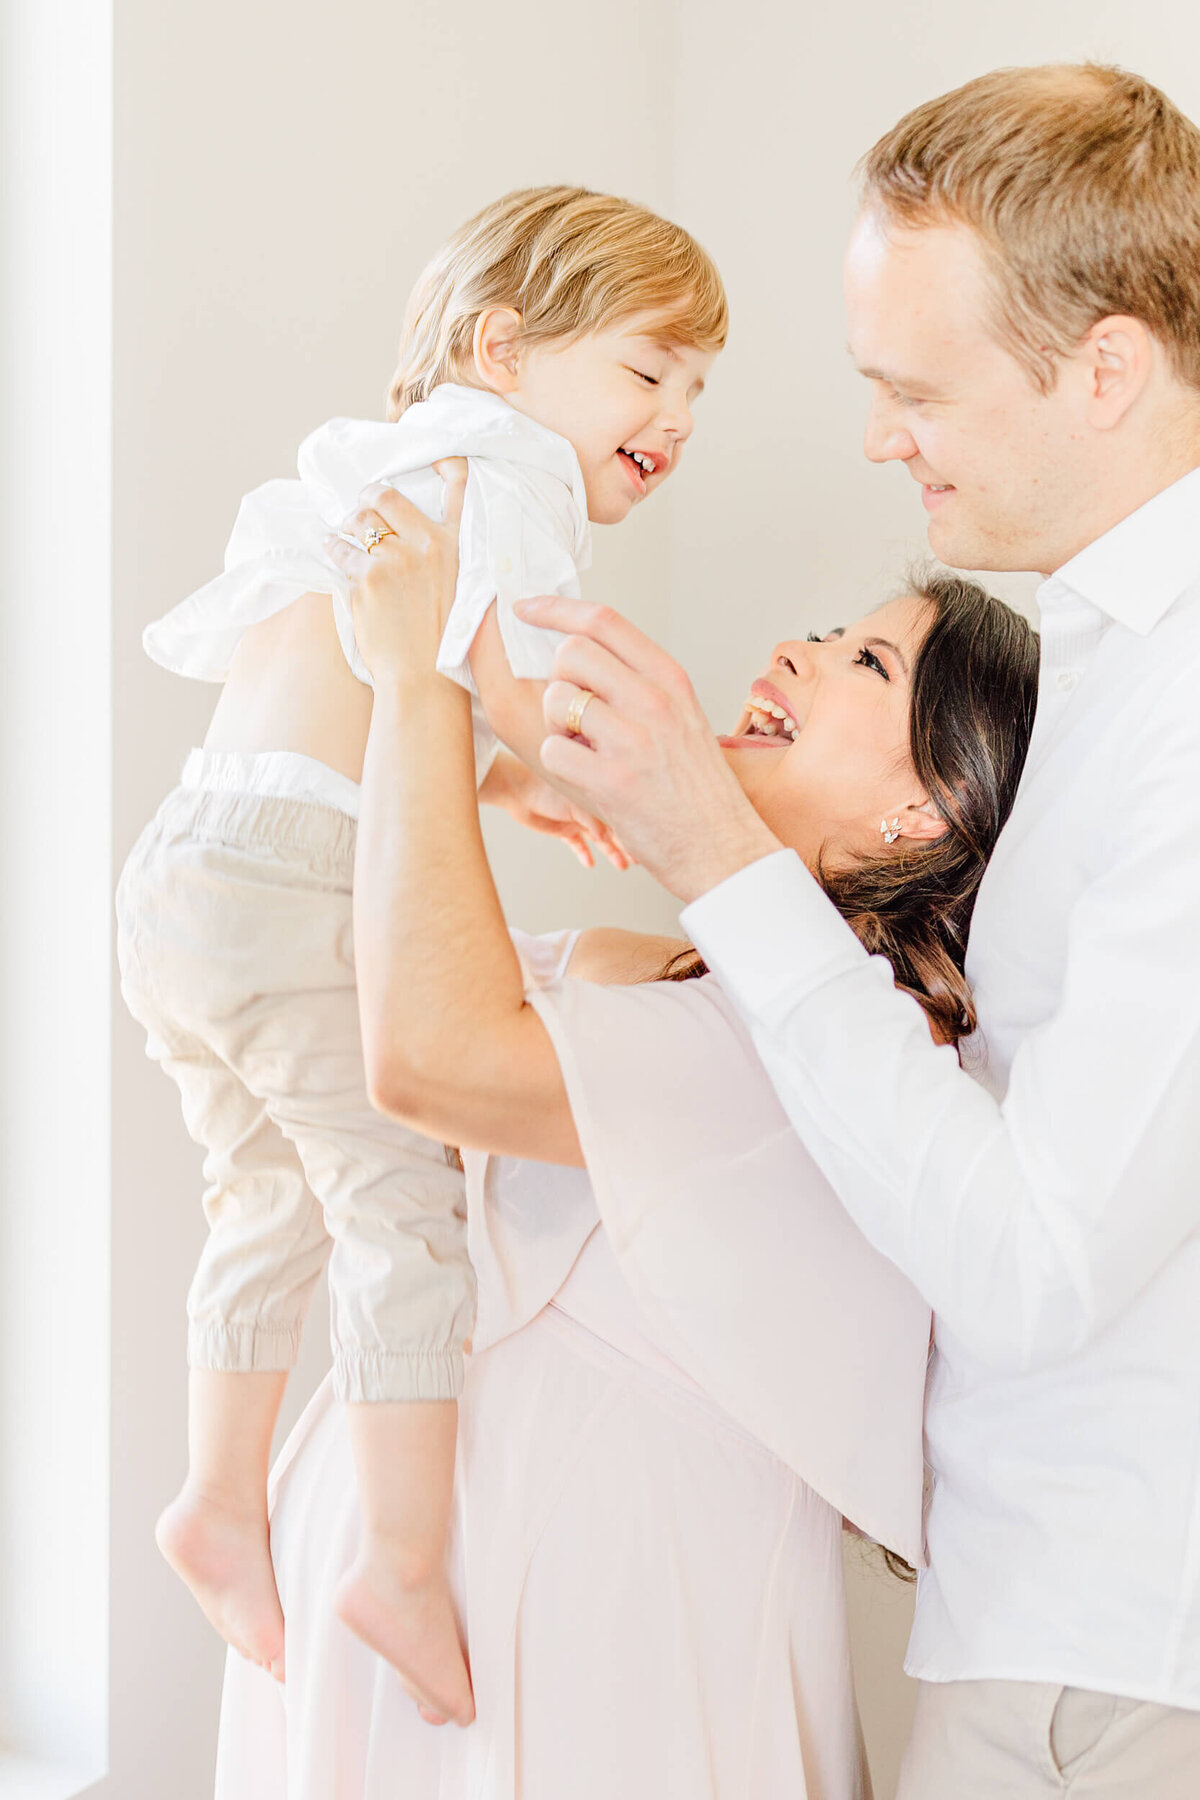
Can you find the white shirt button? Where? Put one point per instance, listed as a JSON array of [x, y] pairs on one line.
[[1066, 680], [504, 565]]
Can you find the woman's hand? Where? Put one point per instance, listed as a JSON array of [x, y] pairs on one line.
[[534, 804], [402, 588]]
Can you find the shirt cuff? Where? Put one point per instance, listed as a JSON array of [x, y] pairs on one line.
[[771, 935]]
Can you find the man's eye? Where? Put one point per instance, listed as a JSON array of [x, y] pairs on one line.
[[904, 399]]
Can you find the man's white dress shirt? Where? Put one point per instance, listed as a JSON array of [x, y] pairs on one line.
[[524, 531], [1045, 1197]]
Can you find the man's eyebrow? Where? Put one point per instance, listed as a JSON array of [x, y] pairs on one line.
[[904, 383]]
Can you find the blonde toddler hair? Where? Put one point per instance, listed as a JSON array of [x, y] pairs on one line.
[[569, 261], [1083, 185]]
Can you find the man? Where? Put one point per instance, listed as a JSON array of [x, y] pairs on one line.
[[1023, 288]]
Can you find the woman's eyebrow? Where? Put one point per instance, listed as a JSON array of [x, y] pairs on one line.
[[839, 631], [887, 644]]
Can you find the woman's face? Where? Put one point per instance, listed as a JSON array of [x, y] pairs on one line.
[[825, 774]]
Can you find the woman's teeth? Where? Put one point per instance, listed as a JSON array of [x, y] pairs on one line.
[[769, 720]]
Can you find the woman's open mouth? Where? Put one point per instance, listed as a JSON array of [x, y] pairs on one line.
[[765, 723]]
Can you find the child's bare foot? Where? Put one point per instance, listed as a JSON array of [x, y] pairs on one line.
[[224, 1556], [409, 1619]]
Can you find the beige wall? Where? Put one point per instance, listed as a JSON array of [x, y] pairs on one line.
[[281, 173]]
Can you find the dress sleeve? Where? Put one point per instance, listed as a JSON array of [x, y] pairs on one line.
[[737, 1249], [544, 956]]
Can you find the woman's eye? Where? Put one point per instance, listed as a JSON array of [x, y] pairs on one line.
[[868, 660], [814, 637]]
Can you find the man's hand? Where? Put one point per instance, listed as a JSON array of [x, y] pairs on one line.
[[645, 759]]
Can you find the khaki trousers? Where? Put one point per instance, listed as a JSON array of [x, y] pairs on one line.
[[236, 951], [1028, 1740]]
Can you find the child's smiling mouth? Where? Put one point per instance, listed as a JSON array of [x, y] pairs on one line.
[[640, 464]]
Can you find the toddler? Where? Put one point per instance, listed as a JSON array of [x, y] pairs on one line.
[[558, 342]]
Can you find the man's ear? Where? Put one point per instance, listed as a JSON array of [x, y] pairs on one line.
[[495, 348], [921, 823], [1118, 356]]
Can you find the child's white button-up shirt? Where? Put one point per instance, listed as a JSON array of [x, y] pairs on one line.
[[524, 531]]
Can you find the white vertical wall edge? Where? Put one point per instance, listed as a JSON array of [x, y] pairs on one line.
[[55, 833]]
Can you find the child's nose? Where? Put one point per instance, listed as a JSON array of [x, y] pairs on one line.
[[675, 419]]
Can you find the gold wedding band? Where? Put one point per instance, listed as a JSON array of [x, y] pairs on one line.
[[375, 537], [576, 710]]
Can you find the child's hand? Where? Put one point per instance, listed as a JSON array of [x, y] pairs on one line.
[[533, 803], [402, 570]]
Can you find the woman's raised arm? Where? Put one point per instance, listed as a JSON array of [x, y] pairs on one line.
[[451, 1045]]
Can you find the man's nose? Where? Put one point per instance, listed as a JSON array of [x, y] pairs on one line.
[[887, 438]]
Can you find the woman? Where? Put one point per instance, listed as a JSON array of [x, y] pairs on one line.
[[667, 1414]]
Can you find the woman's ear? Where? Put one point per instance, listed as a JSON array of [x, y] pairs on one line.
[[921, 823], [495, 348]]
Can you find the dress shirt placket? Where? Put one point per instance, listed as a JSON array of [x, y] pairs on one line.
[[1071, 629]]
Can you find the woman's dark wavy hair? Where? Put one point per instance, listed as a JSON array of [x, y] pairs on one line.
[[973, 696]]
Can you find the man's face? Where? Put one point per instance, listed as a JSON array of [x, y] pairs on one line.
[[1003, 468]]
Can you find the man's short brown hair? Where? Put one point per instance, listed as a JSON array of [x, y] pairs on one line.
[[1083, 185]]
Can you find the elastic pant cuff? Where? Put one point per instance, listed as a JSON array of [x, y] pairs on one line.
[[381, 1375], [241, 1349]]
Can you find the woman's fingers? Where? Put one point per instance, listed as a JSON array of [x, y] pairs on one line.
[[397, 514], [453, 471], [401, 568]]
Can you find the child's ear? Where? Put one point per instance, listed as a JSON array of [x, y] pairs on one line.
[[495, 348]]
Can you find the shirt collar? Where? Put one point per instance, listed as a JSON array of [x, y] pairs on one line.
[[1136, 571]]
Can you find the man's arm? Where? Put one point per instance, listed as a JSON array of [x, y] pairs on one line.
[[1027, 1224]]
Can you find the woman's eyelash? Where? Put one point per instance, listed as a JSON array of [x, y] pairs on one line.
[[866, 659], [869, 660]]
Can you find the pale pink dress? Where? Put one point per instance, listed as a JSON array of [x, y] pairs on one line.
[[664, 1420]]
